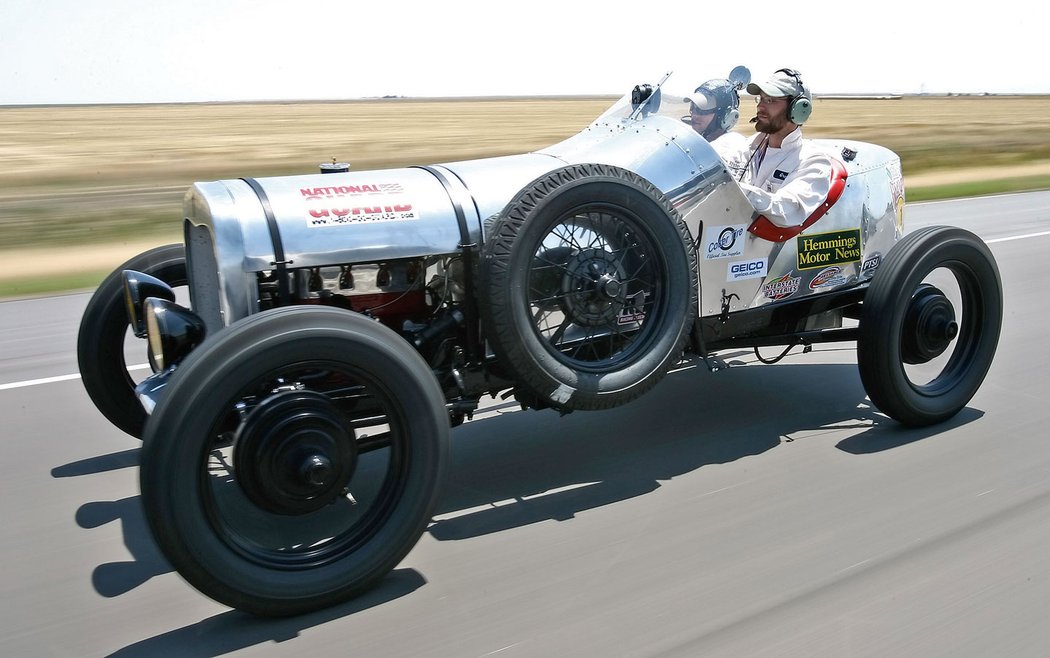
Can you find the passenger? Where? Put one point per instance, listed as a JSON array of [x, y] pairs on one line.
[[714, 108], [785, 177]]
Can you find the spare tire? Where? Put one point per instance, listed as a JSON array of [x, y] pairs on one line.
[[588, 288]]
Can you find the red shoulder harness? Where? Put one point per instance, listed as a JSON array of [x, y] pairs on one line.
[[767, 230]]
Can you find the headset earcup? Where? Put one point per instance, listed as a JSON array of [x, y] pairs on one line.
[[800, 110], [730, 119]]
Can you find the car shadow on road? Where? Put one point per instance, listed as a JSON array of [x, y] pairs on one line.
[[521, 468], [232, 631], [115, 578], [101, 464], [890, 435], [514, 468], [223, 633]]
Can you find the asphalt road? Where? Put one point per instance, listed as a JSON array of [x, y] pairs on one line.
[[756, 511]]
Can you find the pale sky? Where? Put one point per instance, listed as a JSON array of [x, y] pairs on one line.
[[116, 51]]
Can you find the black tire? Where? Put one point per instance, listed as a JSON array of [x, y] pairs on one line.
[[224, 454], [907, 322], [100, 342], [599, 252]]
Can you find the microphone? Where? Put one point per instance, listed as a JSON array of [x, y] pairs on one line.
[[753, 120]]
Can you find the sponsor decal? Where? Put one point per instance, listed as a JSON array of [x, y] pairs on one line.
[[633, 311], [355, 204], [782, 287], [780, 175], [824, 249], [627, 317], [724, 241], [349, 190], [897, 190], [746, 269], [361, 215], [829, 276], [870, 264]]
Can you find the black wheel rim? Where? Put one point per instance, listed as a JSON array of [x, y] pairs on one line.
[[349, 508], [595, 291], [929, 325], [947, 309]]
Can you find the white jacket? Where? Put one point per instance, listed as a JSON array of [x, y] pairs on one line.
[[785, 184]]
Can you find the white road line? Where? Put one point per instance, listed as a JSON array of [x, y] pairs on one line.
[[34, 382], [933, 202], [1018, 237], [59, 378]]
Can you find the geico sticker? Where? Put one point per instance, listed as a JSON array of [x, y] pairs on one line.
[[724, 241], [746, 269]]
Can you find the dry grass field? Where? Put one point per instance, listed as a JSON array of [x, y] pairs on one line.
[[114, 175]]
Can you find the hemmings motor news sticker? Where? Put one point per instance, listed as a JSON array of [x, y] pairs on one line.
[[824, 249]]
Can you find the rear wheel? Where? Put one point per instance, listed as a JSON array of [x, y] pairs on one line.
[[930, 325], [589, 283], [295, 459], [104, 331]]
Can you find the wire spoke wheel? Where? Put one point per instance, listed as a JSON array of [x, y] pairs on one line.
[[589, 288], [591, 307]]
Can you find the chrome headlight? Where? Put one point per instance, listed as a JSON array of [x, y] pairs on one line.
[[138, 287], [172, 332]]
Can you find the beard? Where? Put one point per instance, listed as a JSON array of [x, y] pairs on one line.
[[771, 125]]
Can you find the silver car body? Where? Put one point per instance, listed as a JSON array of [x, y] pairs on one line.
[[235, 229]]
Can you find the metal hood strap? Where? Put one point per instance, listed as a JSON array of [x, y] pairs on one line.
[[279, 262]]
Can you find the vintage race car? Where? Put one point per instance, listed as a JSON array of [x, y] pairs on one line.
[[297, 422]]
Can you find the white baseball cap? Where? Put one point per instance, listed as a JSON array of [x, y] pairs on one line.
[[781, 84], [702, 101]]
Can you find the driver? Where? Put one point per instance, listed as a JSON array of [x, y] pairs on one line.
[[785, 177], [714, 108]]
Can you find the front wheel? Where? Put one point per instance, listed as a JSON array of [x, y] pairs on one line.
[[930, 325], [104, 329], [295, 459]]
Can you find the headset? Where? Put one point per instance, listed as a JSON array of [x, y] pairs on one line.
[[800, 107], [729, 119], [726, 101]]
